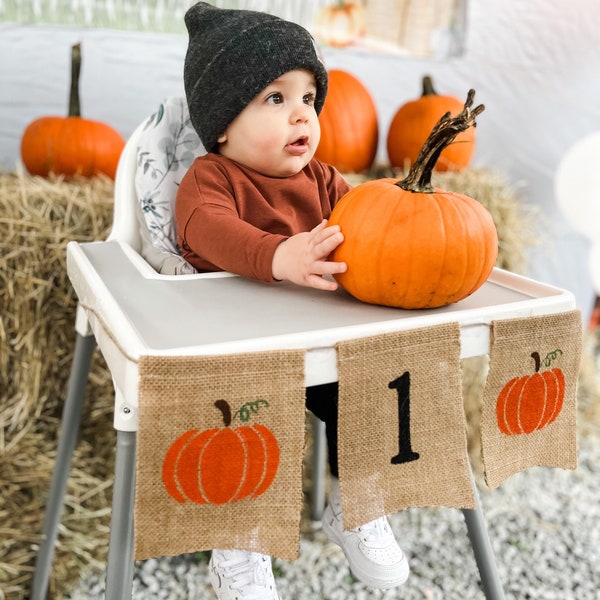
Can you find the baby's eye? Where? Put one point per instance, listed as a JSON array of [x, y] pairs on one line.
[[309, 98], [275, 98]]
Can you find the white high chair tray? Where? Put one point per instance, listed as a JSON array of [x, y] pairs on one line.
[[133, 311]]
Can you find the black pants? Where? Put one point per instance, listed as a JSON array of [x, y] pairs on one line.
[[322, 401]]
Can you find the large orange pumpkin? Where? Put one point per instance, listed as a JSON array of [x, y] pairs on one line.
[[413, 122], [410, 245], [71, 145], [529, 403], [349, 128], [340, 24], [221, 465]]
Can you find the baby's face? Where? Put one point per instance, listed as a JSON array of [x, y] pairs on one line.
[[277, 134]]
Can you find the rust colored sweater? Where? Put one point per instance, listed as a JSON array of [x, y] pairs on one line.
[[232, 218]]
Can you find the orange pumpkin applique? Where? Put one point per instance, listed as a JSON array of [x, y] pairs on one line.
[[222, 465], [531, 402]]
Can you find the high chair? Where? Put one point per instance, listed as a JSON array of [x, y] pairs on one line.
[[144, 196], [140, 261]]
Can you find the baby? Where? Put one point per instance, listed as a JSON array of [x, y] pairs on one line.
[[257, 205]]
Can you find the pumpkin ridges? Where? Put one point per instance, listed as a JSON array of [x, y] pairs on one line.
[[271, 461], [186, 466], [222, 466], [560, 394], [501, 416], [532, 403], [256, 457], [480, 261], [169, 471]]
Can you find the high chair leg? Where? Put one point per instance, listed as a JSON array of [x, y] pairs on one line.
[[71, 417], [482, 549], [317, 500], [119, 573]]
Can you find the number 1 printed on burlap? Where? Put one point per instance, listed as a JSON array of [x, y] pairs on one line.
[[401, 435]]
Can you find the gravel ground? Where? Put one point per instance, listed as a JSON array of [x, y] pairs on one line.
[[545, 530]]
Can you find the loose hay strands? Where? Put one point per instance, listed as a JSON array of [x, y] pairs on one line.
[[37, 219]]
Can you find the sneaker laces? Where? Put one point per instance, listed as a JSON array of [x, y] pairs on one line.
[[244, 573], [376, 531]]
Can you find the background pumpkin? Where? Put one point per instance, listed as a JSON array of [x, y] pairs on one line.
[[414, 120], [221, 465], [339, 24], [71, 145], [349, 127], [529, 403], [409, 245]]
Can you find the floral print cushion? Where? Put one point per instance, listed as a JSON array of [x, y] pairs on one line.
[[167, 148]]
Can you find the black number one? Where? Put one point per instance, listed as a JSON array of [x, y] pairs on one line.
[[402, 386]]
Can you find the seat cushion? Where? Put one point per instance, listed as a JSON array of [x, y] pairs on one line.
[[167, 148]]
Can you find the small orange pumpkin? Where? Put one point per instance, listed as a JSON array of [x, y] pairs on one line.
[[349, 127], [221, 465], [531, 402], [410, 245], [71, 145], [413, 122], [340, 24]]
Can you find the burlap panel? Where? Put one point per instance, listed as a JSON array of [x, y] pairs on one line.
[[529, 401], [201, 484], [402, 439]]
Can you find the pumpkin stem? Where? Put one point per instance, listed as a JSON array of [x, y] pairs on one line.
[[74, 106], [538, 362], [442, 135], [223, 406], [428, 89]]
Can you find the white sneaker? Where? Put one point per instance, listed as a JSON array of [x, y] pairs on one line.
[[241, 575], [371, 549]]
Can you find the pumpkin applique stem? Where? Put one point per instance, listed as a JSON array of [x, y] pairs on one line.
[[442, 135], [225, 409]]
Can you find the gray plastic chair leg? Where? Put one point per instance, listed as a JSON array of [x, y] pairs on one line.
[[119, 573], [71, 417], [482, 549], [317, 500]]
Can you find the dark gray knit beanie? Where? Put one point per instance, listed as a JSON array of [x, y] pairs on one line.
[[234, 54]]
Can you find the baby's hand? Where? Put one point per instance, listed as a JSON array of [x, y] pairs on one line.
[[302, 258]]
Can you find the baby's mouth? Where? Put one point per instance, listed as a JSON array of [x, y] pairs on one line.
[[301, 141]]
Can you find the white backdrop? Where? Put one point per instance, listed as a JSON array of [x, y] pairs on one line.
[[534, 63]]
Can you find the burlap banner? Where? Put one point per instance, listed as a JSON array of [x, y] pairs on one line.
[[529, 400], [219, 453], [402, 440]]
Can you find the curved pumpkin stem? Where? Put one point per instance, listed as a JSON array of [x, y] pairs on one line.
[[224, 407], [74, 104], [538, 362], [442, 135]]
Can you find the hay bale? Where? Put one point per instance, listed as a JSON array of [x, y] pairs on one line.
[[37, 219]]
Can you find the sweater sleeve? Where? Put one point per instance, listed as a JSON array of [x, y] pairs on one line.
[[213, 236], [337, 186]]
